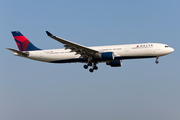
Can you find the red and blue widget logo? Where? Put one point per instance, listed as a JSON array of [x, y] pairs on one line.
[[22, 42]]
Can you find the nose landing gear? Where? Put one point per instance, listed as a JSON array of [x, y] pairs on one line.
[[157, 60]]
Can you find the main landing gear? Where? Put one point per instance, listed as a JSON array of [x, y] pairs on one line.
[[157, 60], [94, 67]]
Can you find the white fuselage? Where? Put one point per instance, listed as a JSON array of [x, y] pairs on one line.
[[129, 51]]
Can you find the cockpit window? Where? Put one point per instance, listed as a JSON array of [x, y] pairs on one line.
[[166, 46]]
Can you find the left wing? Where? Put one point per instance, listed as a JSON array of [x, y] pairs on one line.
[[84, 51]]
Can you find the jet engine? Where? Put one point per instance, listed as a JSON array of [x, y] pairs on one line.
[[107, 56], [117, 63]]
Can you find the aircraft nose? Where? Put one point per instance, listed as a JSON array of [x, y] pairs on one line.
[[171, 50]]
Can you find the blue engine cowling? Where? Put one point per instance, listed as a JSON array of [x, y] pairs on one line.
[[107, 56], [117, 63]]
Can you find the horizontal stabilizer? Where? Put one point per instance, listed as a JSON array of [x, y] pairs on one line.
[[24, 54]]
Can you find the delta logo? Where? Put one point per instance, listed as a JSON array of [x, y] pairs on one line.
[[143, 46]]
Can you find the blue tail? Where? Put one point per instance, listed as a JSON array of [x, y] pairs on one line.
[[23, 43]]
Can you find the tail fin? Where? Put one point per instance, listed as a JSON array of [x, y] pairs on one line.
[[23, 43]]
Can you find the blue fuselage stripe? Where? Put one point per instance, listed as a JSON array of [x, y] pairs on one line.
[[100, 60]]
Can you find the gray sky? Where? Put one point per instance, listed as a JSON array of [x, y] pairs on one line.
[[139, 90]]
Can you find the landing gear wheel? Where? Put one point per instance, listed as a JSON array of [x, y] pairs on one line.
[[95, 68], [89, 64], [85, 67], [156, 62], [91, 70]]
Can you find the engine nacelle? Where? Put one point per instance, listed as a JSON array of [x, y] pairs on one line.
[[117, 63], [107, 56]]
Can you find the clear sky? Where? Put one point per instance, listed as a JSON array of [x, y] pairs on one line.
[[139, 90]]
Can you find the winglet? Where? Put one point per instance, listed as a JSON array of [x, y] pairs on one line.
[[48, 33]]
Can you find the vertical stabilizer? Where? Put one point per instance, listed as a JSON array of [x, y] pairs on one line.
[[23, 43]]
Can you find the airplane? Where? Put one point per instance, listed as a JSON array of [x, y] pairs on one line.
[[91, 56]]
